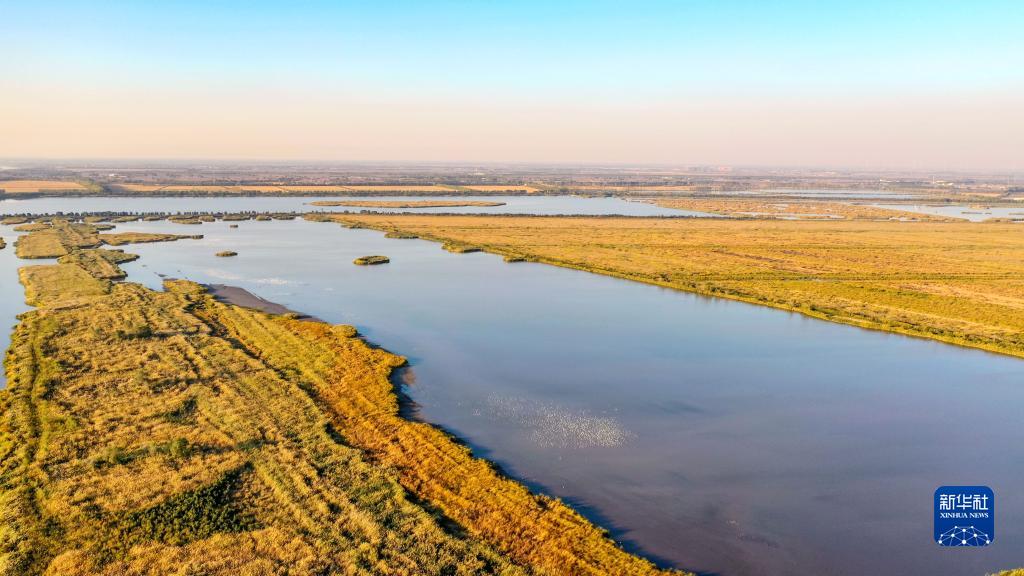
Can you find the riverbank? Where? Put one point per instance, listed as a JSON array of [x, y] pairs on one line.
[[794, 209], [958, 283], [178, 430]]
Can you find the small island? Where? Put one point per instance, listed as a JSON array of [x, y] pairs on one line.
[[458, 248], [226, 254], [371, 260], [407, 203]]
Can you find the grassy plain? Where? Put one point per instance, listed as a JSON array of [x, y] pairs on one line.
[[405, 204], [155, 433], [794, 209], [961, 283]]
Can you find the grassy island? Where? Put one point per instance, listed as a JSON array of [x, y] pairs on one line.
[[226, 254], [185, 220], [371, 260], [31, 227], [149, 432], [62, 238]]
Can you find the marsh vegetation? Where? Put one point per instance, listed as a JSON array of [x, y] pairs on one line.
[[61, 237], [460, 247], [371, 260], [150, 432], [795, 209]]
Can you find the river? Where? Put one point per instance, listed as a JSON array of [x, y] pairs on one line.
[[707, 434]]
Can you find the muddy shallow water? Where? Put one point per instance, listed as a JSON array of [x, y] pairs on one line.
[[707, 434]]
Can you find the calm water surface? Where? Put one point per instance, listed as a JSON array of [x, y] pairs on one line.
[[707, 434], [513, 205], [974, 214], [831, 194], [12, 296]]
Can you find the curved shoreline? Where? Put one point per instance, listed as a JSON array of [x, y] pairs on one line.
[[282, 401], [808, 308]]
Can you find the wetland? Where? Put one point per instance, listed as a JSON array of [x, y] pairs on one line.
[[704, 433]]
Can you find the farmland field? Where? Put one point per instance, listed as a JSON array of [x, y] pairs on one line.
[[40, 186]]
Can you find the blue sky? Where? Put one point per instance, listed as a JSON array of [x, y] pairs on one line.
[[540, 53]]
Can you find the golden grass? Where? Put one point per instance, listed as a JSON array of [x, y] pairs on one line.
[[799, 209], [121, 238], [534, 530], [653, 188], [154, 433], [2, 243], [405, 204], [31, 227], [502, 188], [62, 282], [57, 240], [961, 283], [396, 188], [371, 260], [62, 238], [101, 264], [34, 186]]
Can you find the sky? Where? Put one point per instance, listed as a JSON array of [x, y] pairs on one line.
[[860, 84]]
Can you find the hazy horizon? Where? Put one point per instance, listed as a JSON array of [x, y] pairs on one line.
[[926, 86]]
